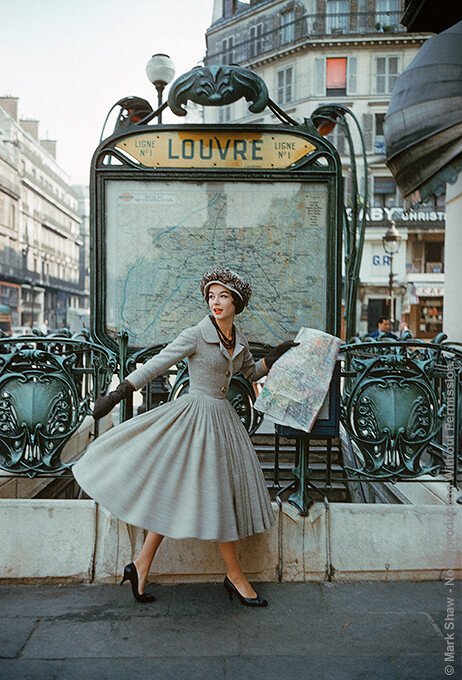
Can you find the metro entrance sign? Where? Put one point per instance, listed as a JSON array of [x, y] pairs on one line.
[[169, 202], [216, 149]]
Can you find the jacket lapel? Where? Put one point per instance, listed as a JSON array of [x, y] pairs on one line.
[[210, 335]]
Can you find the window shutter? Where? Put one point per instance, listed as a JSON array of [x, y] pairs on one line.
[[367, 130], [380, 75], [352, 63], [320, 77]]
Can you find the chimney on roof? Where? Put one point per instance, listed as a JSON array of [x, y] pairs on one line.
[[50, 146], [30, 126], [10, 105]]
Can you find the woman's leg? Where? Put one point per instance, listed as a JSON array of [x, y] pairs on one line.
[[144, 560], [234, 571]]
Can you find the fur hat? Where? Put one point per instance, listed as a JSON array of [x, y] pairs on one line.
[[230, 280]]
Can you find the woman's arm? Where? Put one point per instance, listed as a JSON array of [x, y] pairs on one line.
[[184, 346], [253, 370]]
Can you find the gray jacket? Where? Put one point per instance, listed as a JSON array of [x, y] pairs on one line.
[[210, 366]]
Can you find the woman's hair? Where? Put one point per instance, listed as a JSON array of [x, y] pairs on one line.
[[239, 305]]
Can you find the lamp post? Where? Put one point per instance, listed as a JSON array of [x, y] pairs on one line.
[[391, 242], [325, 118], [160, 71]]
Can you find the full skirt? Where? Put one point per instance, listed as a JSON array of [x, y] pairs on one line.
[[186, 469]]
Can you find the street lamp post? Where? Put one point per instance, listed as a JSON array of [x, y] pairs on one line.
[[160, 71], [325, 118], [391, 242]]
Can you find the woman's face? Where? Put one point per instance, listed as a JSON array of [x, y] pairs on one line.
[[221, 302]]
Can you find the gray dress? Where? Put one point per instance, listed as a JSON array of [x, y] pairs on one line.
[[186, 468]]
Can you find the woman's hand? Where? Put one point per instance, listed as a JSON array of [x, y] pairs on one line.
[[104, 405], [278, 351]]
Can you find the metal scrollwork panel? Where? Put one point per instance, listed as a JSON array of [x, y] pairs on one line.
[[392, 410], [46, 387]]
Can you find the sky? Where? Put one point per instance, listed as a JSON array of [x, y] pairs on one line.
[[69, 61]]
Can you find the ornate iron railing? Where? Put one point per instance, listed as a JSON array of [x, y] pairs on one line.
[[299, 30], [47, 386], [401, 410], [395, 405]]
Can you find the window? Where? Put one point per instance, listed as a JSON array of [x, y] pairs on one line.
[[338, 139], [387, 15], [337, 13], [12, 215], [434, 257], [435, 202], [256, 40], [386, 70], [224, 114], [287, 27], [227, 56], [384, 192], [379, 143], [335, 76], [284, 85]]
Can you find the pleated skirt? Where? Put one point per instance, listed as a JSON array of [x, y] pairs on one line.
[[186, 469]]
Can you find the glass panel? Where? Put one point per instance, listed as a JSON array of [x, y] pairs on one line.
[[337, 12], [287, 27], [387, 14]]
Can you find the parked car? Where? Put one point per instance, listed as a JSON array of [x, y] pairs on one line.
[[21, 330]]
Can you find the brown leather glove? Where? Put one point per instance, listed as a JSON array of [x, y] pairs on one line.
[[105, 404], [278, 351]]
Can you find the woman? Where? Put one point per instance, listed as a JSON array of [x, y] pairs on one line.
[[187, 469]]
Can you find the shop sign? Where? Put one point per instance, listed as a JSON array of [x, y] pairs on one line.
[[428, 290], [382, 214]]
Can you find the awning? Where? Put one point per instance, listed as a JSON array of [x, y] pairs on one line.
[[423, 126], [4, 309]]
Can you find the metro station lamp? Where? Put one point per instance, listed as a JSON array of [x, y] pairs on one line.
[[391, 242], [160, 71]]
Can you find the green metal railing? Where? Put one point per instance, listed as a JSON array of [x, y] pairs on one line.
[[401, 410], [401, 407], [47, 386]]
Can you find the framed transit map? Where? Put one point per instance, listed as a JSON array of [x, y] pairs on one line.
[[161, 237]]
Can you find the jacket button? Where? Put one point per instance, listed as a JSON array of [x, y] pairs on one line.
[[223, 389], [227, 374]]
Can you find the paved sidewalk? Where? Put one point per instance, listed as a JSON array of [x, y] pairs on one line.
[[346, 631]]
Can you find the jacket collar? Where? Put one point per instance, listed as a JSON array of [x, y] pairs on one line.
[[209, 334]]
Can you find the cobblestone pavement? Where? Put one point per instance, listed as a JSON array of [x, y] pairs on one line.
[[344, 631]]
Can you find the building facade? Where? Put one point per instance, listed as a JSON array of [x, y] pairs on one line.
[[40, 240], [315, 52]]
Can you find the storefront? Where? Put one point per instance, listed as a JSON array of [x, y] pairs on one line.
[[426, 314]]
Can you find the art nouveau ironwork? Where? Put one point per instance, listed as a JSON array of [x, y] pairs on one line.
[[47, 385]]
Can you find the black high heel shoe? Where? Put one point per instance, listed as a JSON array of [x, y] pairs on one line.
[[130, 574], [246, 601]]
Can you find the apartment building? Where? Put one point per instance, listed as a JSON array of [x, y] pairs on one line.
[[40, 240], [315, 52]]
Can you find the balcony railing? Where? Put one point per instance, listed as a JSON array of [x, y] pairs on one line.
[[301, 29]]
